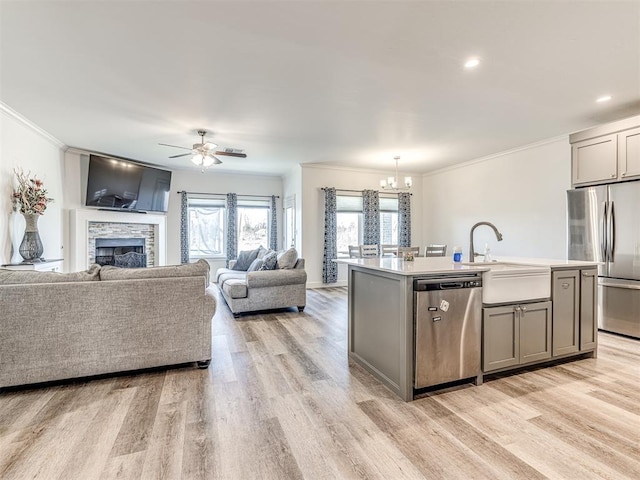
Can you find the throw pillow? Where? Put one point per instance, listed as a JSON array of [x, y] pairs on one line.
[[255, 265], [262, 252], [245, 259], [288, 259], [13, 277], [269, 261]]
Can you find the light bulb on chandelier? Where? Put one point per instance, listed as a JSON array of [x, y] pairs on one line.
[[204, 161], [391, 183]]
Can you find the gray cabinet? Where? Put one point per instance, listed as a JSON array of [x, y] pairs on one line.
[[500, 341], [565, 294], [588, 309], [595, 160], [574, 310], [515, 335], [608, 153], [629, 154]]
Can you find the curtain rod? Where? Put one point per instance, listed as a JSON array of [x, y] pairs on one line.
[[360, 191], [224, 194]]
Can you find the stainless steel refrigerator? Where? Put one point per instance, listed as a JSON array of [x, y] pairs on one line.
[[604, 226]]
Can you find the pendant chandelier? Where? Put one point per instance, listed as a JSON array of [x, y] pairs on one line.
[[391, 184]]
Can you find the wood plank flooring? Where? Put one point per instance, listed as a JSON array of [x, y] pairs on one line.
[[280, 401]]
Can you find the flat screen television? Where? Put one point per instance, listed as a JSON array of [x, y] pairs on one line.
[[117, 184]]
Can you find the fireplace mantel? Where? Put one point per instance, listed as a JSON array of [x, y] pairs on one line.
[[79, 228]]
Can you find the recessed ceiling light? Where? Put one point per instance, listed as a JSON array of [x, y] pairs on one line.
[[472, 63], [604, 98]]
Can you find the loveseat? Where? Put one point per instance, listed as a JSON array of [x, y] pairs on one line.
[[249, 291], [57, 326]]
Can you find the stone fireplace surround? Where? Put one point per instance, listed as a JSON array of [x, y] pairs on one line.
[[83, 223]]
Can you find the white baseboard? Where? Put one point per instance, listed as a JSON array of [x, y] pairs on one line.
[[325, 285]]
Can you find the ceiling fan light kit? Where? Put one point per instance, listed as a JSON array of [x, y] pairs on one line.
[[204, 154], [391, 183]]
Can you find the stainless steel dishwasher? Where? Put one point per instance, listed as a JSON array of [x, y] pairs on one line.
[[448, 322]]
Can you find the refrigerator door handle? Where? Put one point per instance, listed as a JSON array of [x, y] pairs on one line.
[[603, 240], [625, 286], [612, 231]]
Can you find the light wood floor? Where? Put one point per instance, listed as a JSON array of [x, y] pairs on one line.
[[281, 402]]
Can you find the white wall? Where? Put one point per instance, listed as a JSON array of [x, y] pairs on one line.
[[314, 177], [24, 145], [214, 182], [522, 192]]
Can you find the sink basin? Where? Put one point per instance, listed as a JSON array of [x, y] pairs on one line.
[[510, 283]]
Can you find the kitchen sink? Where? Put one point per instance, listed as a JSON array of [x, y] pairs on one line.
[[509, 282]]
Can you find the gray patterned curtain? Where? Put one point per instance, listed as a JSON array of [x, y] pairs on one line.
[[329, 268], [404, 219], [184, 228], [370, 217], [232, 227], [273, 234]]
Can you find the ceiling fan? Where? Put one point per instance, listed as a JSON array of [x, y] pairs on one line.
[[204, 153]]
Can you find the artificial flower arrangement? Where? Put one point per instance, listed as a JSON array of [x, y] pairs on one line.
[[30, 197]]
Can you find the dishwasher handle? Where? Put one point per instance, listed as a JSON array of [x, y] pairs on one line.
[[451, 283]]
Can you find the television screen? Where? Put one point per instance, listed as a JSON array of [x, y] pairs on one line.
[[123, 185]]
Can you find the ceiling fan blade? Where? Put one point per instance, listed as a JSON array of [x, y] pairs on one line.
[[216, 160], [181, 155], [174, 146], [231, 154]]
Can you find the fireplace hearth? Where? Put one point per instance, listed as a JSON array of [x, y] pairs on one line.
[[120, 252]]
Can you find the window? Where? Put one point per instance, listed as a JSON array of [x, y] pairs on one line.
[[208, 226], [389, 221], [253, 224], [349, 222]]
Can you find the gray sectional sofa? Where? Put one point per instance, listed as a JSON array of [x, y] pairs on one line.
[[263, 289], [58, 326]]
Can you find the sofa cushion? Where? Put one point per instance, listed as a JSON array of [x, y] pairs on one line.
[[224, 276], [245, 259], [221, 271], [285, 276], [255, 265], [288, 258], [199, 268], [13, 277], [269, 261], [235, 288]]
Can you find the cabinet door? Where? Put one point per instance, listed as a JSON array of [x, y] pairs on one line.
[[588, 309], [595, 160], [500, 342], [629, 153], [565, 286], [535, 332]]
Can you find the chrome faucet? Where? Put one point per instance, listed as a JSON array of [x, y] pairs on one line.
[[472, 253]]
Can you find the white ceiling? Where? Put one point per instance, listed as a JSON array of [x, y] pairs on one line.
[[349, 83]]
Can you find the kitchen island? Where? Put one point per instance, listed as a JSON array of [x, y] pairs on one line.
[[382, 316]]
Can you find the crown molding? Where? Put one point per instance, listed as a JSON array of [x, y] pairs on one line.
[[10, 112], [323, 166]]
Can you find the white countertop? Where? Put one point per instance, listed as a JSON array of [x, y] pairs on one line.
[[548, 262], [438, 265], [419, 266]]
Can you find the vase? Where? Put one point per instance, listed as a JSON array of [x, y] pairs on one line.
[[31, 246], [15, 233]]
